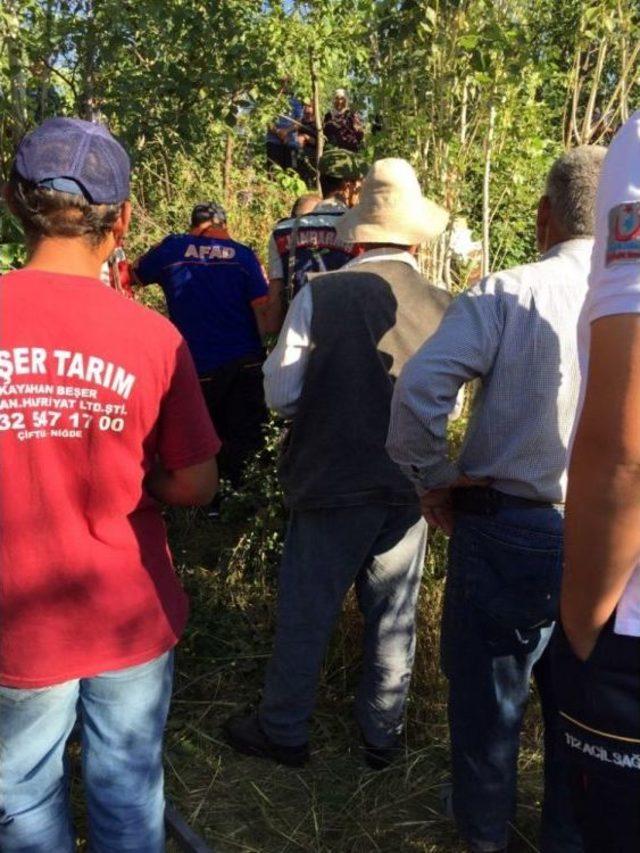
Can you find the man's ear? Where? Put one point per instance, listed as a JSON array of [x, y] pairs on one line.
[[121, 225]]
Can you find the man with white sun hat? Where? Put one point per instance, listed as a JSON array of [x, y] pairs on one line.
[[355, 518]]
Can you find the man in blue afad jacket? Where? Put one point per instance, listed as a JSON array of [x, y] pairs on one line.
[[218, 296]]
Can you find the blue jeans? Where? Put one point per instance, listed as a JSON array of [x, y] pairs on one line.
[[380, 550], [501, 600], [122, 718]]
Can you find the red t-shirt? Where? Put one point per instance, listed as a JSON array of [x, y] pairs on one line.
[[93, 388]]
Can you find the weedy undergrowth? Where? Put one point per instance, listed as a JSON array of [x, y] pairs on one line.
[[336, 804]]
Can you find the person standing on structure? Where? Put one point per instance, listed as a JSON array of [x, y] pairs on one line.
[[342, 125], [306, 142], [281, 136]]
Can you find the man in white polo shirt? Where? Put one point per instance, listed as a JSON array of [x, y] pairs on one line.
[[597, 659]]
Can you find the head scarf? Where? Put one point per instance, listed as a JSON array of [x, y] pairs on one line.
[[339, 93]]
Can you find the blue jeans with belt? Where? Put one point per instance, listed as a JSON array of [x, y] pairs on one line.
[[122, 719], [501, 600]]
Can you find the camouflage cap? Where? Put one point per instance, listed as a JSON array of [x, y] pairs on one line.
[[338, 163]]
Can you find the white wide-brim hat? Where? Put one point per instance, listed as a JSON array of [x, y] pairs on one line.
[[392, 208]]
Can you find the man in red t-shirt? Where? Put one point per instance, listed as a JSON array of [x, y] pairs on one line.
[[101, 419]]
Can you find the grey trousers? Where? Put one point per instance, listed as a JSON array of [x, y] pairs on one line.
[[381, 550]]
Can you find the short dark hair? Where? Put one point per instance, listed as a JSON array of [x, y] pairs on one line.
[[199, 217], [45, 212], [330, 184], [208, 211]]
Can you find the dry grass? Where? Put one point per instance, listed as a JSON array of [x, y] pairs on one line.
[[336, 804]]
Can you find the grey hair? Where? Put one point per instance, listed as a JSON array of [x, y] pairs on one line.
[[571, 188]]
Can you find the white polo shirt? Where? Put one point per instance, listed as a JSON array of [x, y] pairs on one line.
[[614, 282]]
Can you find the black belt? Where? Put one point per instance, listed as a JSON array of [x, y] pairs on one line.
[[482, 500]]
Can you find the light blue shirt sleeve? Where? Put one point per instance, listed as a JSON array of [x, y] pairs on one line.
[[462, 349]]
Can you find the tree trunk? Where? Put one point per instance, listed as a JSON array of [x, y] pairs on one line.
[[228, 162], [463, 111], [587, 125], [315, 86], [573, 133], [168, 188], [88, 107], [17, 74], [486, 181], [46, 71]]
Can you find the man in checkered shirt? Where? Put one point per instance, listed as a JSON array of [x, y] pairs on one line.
[[502, 500]]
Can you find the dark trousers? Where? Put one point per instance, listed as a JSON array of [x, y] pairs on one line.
[[379, 550], [501, 598], [278, 155], [306, 167], [599, 702], [234, 395]]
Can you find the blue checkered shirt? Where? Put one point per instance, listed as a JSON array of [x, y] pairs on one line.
[[516, 333]]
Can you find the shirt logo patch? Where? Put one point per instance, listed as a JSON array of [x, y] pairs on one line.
[[623, 241]]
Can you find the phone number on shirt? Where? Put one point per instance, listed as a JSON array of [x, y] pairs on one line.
[[56, 424]]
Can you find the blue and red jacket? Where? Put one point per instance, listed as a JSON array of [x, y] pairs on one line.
[[318, 248]]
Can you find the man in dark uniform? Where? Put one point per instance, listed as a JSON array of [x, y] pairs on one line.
[[218, 296]]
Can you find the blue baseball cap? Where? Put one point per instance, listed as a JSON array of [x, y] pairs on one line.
[[75, 156]]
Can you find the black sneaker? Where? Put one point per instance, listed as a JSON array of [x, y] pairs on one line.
[[381, 757], [244, 734]]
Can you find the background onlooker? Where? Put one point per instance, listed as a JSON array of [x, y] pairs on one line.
[[305, 204], [281, 140], [306, 146], [342, 125], [355, 519], [502, 500]]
